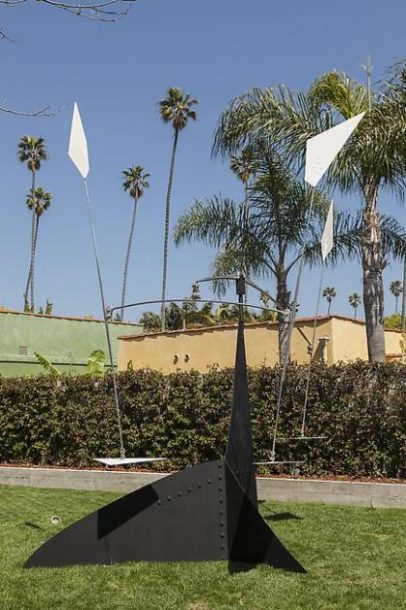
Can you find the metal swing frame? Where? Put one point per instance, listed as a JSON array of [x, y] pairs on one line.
[[241, 283]]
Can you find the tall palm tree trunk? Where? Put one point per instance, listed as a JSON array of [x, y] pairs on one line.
[[166, 238], [35, 252], [372, 265], [127, 258], [329, 307], [33, 225], [282, 298], [30, 279]]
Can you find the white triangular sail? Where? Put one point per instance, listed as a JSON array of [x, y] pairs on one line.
[[78, 144], [127, 461], [323, 148], [327, 239]]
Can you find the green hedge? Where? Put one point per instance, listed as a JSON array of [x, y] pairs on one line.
[[360, 407]]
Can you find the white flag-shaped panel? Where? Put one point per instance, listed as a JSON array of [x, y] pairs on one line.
[[323, 148], [327, 239], [78, 144]]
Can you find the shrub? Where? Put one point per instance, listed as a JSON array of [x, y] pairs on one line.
[[359, 407]]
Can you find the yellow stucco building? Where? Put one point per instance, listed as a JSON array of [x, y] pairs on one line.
[[337, 339]]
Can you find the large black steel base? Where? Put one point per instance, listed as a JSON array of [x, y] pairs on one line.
[[205, 513]]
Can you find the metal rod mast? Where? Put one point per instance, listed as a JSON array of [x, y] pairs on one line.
[[290, 330], [106, 325], [311, 354]]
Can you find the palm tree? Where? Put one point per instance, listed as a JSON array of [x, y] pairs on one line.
[[354, 300], [329, 293], [38, 201], [174, 317], [176, 109], [244, 166], [396, 289], [398, 96], [272, 241], [31, 150], [135, 181], [374, 157]]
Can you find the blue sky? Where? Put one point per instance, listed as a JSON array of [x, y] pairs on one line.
[[213, 49]]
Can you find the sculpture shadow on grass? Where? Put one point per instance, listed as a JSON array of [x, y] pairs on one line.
[[282, 517]]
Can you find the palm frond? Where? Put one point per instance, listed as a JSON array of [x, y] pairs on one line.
[[176, 108], [212, 221], [135, 181]]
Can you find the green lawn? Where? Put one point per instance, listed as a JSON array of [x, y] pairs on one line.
[[355, 557]]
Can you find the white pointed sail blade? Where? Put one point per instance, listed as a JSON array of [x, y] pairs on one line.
[[327, 239], [323, 148], [78, 144], [127, 461]]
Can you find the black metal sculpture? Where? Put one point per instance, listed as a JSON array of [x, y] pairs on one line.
[[208, 512]]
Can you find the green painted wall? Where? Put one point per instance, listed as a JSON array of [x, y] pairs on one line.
[[66, 342]]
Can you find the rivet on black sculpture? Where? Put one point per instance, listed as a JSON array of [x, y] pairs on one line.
[[208, 512]]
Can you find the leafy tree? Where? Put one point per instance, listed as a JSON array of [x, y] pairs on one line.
[[396, 289], [223, 314], [329, 293], [195, 317], [175, 109], [373, 159], [47, 310], [96, 363], [135, 182], [181, 317], [47, 364], [150, 321], [189, 307], [393, 321], [354, 300], [32, 151]]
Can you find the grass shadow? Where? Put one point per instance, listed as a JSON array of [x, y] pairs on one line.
[[282, 517], [34, 526]]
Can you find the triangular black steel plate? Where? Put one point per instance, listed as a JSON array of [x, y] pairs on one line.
[[207, 512]]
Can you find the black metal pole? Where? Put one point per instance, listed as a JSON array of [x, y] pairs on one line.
[[240, 290]]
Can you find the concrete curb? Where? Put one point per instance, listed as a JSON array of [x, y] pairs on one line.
[[374, 495]]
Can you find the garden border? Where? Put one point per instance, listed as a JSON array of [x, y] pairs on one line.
[[348, 493]]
